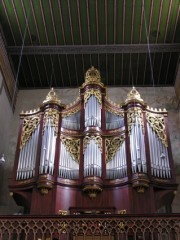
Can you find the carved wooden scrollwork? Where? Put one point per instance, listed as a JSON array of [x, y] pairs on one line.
[[97, 139], [132, 113], [112, 145], [94, 92], [29, 125], [72, 146], [156, 121], [53, 115]]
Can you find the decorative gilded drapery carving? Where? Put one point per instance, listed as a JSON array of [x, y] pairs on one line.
[[29, 125], [94, 92], [112, 145], [97, 139], [53, 115], [156, 121], [72, 145], [132, 113]]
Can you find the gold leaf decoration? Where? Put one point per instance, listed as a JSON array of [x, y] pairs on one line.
[[112, 145], [97, 139], [29, 125], [53, 115], [132, 113], [93, 77], [53, 98], [72, 145], [156, 121], [94, 92], [133, 95]]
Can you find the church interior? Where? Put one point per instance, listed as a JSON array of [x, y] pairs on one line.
[[90, 119]]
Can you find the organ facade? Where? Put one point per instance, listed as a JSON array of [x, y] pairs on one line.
[[93, 156]]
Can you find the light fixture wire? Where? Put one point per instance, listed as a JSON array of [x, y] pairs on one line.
[[148, 45], [20, 59]]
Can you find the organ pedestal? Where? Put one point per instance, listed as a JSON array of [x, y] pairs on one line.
[[93, 155]]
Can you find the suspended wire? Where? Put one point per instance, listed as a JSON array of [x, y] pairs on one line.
[[20, 58], [147, 38], [131, 71], [52, 72]]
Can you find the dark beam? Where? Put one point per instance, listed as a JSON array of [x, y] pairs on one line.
[[96, 49]]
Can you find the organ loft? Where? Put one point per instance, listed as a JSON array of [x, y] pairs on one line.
[[93, 156]]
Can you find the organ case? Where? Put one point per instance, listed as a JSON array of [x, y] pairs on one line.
[[93, 156]]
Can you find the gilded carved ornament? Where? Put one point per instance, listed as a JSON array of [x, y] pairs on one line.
[[132, 113], [97, 139], [94, 92], [112, 145], [53, 115], [34, 111], [52, 98], [92, 77], [134, 95], [72, 145], [156, 121], [29, 125]]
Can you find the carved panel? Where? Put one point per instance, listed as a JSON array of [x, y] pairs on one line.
[[29, 125], [132, 113], [97, 139], [72, 146], [156, 121], [112, 145], [53, 115], [94, 92]]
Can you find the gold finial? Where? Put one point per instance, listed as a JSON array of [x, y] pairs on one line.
[[52, 97], [133, 95], [92, 75]]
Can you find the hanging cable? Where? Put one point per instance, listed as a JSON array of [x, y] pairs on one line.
[[147, 38], [52, 72], [131, 72], [20, 57]]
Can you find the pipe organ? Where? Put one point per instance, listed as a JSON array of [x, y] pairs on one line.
[[93, 155]]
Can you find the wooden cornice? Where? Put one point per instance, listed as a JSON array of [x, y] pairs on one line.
[[90, 49]]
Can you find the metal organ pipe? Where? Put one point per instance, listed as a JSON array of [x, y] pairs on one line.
[[27, 157], [159, 156], [137, 145], [113, 121], [68, 167], [92, 160], [48, 149], [72, 121], [92, 112], [117, 167]]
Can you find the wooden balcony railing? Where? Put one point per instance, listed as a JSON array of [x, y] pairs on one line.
[[90, 227]]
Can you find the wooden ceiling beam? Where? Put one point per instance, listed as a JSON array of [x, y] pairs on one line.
[[93, 49]]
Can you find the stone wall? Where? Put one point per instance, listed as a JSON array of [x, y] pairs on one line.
[[6, 121], [159, 97]]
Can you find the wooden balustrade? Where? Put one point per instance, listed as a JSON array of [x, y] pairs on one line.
[[90, 227]]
